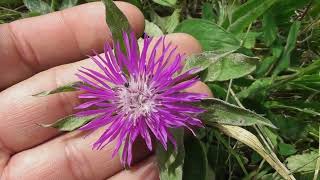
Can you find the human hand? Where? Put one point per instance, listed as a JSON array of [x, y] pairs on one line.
[[35, 53]]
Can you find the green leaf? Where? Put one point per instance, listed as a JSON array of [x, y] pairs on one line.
[[117, 22], [172, 21], [220, 92], [67, 4], [168, 23], [203, 60], [211, 36], [70, 123], [249, 139], [221, 66], [169, 3], [249, 39], [257, 87], [31, 14], [207, 11], [231, 151], [195, 157], [265, 65], [246, 14], [292, 128], [170, 161], [66, 88], [284, 61], [312, 68], [269, 28], [232, 66], [283, 11], [303, 162], [54, 4], [271, 134], [152, 29], [310, 81], [218, 111], [38, 6], [286, 149], [136, 3], [279, 105]]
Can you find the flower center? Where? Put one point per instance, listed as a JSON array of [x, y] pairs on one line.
[[136, 99]]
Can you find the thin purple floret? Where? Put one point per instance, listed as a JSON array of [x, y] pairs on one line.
[[147, 101]]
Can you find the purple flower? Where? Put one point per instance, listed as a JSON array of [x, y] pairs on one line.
[[134, 95]]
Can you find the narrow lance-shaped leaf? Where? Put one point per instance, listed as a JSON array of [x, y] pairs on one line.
[[170, 161], [257, 87], [218, 111], [117, 22], [284, 61], [266, 64], [253, 142], [243, 16], [70, 123], [270, 28], [66, 88], [279, 105], [195, 157]]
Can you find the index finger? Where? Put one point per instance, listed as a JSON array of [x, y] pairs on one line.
[[35, 44]]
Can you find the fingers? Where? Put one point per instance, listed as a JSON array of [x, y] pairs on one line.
[[20, 112], [202, 86], [68, 157], [4, 157], [146, 169], [34, 44]]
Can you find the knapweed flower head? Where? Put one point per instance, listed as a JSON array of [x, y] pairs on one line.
[[134, 94]]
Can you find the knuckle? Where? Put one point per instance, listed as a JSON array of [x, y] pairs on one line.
[[23, 48], [77, 162]]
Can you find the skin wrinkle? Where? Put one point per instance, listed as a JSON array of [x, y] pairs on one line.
[[146, 169], [66, 105], [24, 50], [4, 148], [65, 102], [4, 173], [73, 159], [88, 34], [76, 161], [4, 158], [70, 28]]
